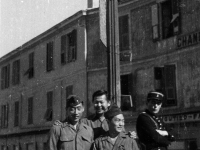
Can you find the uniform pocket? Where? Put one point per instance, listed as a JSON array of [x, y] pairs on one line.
[[66, 138], [86, 138]]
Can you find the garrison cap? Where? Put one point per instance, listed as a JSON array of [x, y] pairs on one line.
[[112, 112], [155, 96], [73, 100]]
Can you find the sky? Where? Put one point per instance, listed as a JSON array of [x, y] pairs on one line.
[[22, 20]]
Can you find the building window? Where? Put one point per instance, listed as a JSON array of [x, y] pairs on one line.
[[4, 147], [45, 146], [15, 147], [124, 32], [165, 82], [49, 111], [16, 72], [31, 66], [63, 49], [165, 13], [30, 110], [16, 119], [4, 116], [30, 146], [72, 46], [30, 71], [69, 90], [5, 77], [126, 96], [49, 56]]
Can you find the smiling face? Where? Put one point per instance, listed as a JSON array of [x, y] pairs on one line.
[[75, 113], [101, 104], [116, 124], [154, 106]]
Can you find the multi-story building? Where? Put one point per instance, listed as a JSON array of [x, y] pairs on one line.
[[36, 78], [159, 49]]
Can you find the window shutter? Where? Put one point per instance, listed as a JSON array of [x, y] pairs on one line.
[[31, 65], [3, 78], [51, 55], [8, 76], [69, 91], [124, 32], [74, 54], [170, 84], [72, 40], [63, 49], [16, 121], [155, 27], [6, 115], [175, 16], [2, 116], [30, 110]]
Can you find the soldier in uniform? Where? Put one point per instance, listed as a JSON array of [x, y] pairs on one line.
[[71, 134], [150, 128], [97, 121], [116, 138]]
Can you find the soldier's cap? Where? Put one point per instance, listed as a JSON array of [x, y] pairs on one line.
[[113, 111], [155, 96], [73, 100]]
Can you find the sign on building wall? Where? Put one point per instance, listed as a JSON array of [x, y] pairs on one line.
[[179, 118], [188, 39]]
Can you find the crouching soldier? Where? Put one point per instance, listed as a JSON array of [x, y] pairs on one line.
[[115, 138]]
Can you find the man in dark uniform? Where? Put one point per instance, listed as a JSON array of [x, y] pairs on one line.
[[150, 128], [71, 134], [116, 138]]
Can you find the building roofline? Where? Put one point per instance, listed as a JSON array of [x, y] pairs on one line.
[[44, 34]]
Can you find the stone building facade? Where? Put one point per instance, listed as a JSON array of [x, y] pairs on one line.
[[36, 79], [159, 49]]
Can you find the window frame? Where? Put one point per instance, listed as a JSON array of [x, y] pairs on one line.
[[16, 72], [30, 111], [5, 77], [157, 19], [123, 34], [31, 65], [16, 115], [164, 84], [72, 46], [49, 111], [4, 115], [49, 56]]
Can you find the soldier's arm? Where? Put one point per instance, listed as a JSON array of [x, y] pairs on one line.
[[53, 138], [134, 145], [149, 128]]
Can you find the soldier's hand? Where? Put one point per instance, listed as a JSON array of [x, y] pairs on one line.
[[57, 122], [132, 134], [162, 132]]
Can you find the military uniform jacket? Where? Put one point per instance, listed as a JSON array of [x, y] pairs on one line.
[[66, 137], [123, 142], [98, 124], [146, 126]]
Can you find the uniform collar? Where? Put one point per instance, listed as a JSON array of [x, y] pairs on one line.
[[150, 113], [67, 123]]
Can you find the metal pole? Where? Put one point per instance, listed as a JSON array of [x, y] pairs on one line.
[[113, 51]]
